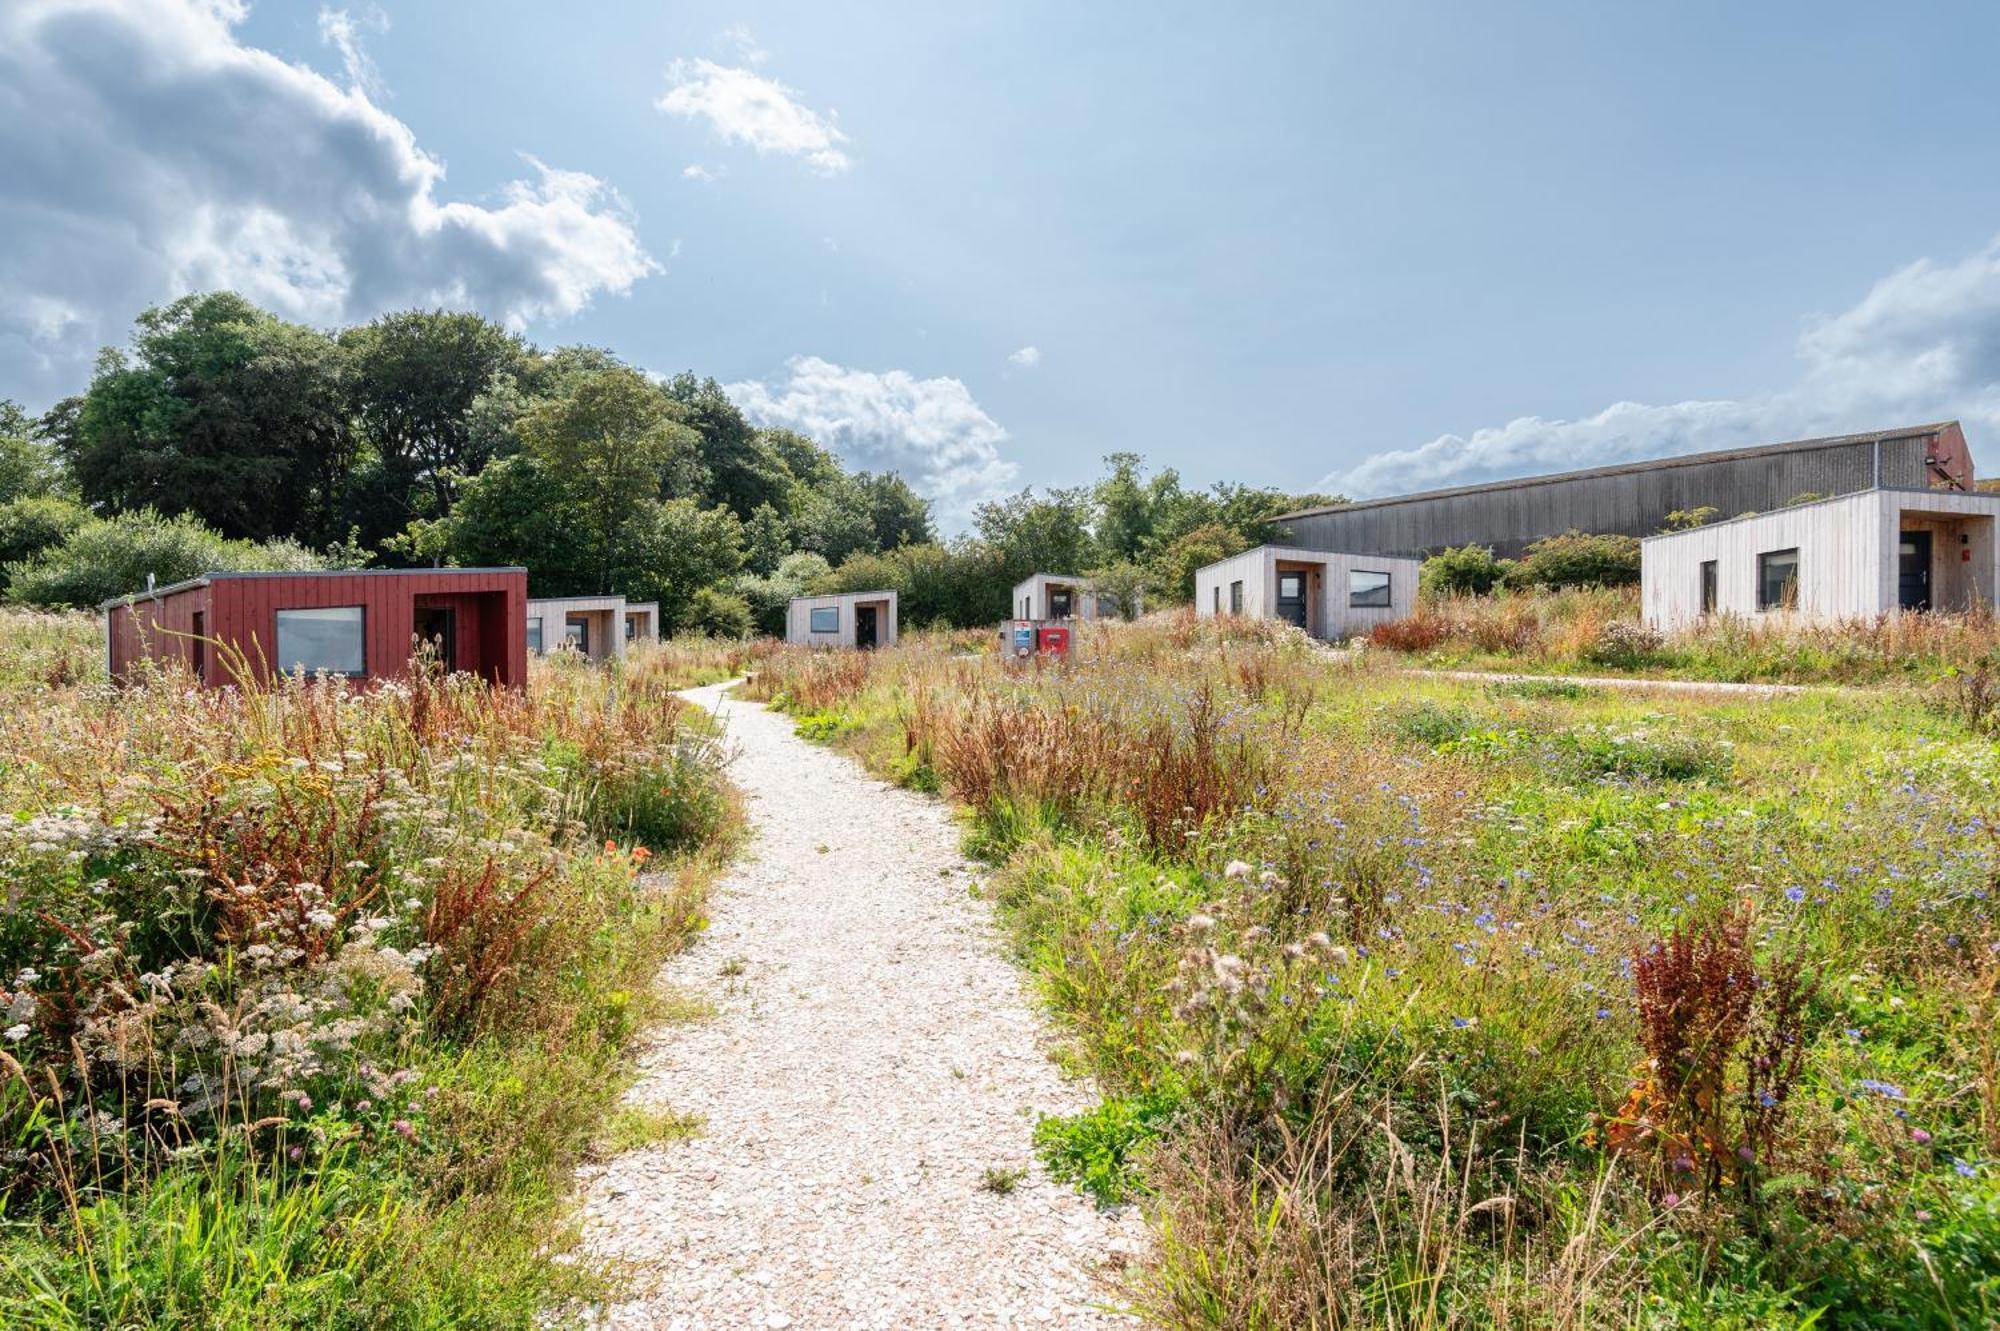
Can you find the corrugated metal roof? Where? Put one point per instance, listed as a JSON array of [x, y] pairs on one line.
[[1630, 468]]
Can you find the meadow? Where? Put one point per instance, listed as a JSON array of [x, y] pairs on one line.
[[314, 996], [1423, 1003]]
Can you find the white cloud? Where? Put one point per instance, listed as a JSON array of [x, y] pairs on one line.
[[1922, 345], [929, 430], [745, 107], [145, 152], [703, 175], [739, 39], [341, 30], [1027, 357]]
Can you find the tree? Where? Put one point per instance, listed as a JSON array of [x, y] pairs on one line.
[[671, 549], [1174, 567], [28, 468], [768, 596], [742, 472], [833, 521], [1125, 507], [1123, 585], [1046, 535], [515, 512], [34, 523], [613, 443], [897, 514], [223, 412], [766, 540], [414, 379]]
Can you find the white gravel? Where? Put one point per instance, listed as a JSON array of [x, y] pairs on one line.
[[871, 1056]]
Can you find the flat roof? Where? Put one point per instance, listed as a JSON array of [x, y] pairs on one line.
[[1930, 491], [1628, 468], [224, 575]]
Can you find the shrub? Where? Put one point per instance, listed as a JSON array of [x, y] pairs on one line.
[[107, 557], [1579, 559], [1624, 644], [1098, 1150], [1465, 570], [1421, 632], [29, 526], [720, 614]]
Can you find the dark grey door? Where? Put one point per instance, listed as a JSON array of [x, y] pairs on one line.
[[864, 626], [1913, 571], [437, 629], [1292, 598], [1059, 604]]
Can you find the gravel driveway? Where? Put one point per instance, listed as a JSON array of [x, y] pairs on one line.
[[871, 1057]]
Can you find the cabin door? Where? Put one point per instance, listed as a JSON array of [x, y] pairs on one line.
[[1292, 598], [437, 630], [864, 626], [1059, 603], [1913, 571]]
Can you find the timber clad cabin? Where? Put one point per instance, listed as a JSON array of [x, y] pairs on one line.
[[596, 626], [1053, 597], [1331, 596], [852, 619], [362, 624], [1880, 552], [1634, 499]]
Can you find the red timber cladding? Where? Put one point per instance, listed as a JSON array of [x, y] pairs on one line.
[[160, 629], [245, 616]]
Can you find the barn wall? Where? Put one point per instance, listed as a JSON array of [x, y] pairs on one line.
[[159, 629], [1633, 501]]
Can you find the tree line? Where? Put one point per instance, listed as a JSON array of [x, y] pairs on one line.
[[225, 437]]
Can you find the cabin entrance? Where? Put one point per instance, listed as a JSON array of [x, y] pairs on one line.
[[864, 626], [1913, 570], [1292, 598], [437, 633], [1059, 599]]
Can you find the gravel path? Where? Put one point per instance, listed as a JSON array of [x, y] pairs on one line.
[[872, 1055]]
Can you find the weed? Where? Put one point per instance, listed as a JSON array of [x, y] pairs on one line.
[[1001, 1180]]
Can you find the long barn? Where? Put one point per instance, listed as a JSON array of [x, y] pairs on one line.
[[1635, 498]]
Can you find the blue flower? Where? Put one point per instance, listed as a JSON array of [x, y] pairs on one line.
[[1795, 894], [1964, 1169]]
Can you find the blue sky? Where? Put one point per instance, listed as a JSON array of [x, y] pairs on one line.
[[1374, 247]]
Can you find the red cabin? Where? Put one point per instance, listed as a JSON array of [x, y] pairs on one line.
[[364, 624]]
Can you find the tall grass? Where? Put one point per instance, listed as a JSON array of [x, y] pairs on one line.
[[1582, 630], [1422, 1003], [314, 995]]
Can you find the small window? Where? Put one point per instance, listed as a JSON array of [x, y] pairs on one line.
[[316, 640], [535, 636], [1235, 598], [1367, 590], [1708, 586], [1218, 599], [825, 619], [1778, 580]]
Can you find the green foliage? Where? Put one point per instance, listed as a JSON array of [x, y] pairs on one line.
[[1098, 1149], [1175, 565], [107, 557], [1124, 585], [1466, 570], [720, 614], [29, 469], [768, 596], [33, 523], [1579, 559], [821, 727]]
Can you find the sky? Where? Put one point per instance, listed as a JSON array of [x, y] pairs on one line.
[[1363, 248]]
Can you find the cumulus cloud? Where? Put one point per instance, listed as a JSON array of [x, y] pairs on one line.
[[1922, 345], [929, 430], [1027, 357], [743, 106], [341, 29], [145, 152]]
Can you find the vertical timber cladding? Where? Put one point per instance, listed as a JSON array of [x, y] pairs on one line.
[[1634, 499]]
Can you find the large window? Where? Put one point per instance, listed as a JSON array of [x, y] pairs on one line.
[[1367, 590], [316, 640], [1778, 580], [825, 619], [535, 636], [1235, 598], [1708, 586]]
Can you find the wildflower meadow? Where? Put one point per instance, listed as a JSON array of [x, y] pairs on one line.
[[314, 994], [1431, 1003]]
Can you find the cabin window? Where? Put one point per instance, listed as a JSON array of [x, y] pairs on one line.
[[1778, 579], [1235, 598], [631, 628], [826, 619], [535, 636], [1218, 600], [1708, 586], [329, 640], [1366, 590]]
